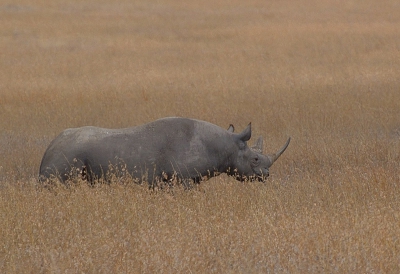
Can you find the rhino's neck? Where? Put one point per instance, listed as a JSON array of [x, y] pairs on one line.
[[228, 164]]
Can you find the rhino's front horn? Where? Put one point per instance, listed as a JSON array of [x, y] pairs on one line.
[[279, 153]]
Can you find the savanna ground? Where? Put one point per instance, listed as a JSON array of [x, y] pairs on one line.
[[325, 73]]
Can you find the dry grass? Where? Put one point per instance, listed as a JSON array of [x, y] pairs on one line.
[[324, 72]]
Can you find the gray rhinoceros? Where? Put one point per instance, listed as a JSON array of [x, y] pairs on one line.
[[169, 148]]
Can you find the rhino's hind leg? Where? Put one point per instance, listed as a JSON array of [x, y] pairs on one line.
[[86, 174], [77, 172]]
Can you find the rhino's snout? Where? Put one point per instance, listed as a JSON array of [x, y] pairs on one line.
[[262, 175]]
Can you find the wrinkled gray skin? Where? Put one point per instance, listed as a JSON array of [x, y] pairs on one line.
[[168, 148]]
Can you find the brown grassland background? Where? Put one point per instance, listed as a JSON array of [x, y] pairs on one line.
[[324, 72]]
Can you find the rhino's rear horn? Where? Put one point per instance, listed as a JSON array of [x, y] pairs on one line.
[[258, 146]]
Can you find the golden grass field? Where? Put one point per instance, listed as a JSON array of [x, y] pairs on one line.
[[324, 72]]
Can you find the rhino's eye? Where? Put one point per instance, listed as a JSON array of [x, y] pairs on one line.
[[256, 160]]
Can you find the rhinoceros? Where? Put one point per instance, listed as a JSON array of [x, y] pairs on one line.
[[166, 149]]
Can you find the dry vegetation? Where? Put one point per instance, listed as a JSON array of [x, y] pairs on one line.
[[324, 72]]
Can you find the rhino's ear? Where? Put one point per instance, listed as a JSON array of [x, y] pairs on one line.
[[245, 135], [258, 146], [231, 128]]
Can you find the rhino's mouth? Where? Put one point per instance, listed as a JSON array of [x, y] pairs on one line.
[[258, 177], [261, 178], [261, 175]]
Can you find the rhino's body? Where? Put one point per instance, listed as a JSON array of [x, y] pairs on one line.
[[160, 150]]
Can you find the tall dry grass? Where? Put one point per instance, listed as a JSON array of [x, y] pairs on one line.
[[323, 72]]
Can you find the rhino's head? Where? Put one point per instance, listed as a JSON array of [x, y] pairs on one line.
[[251, 163]]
